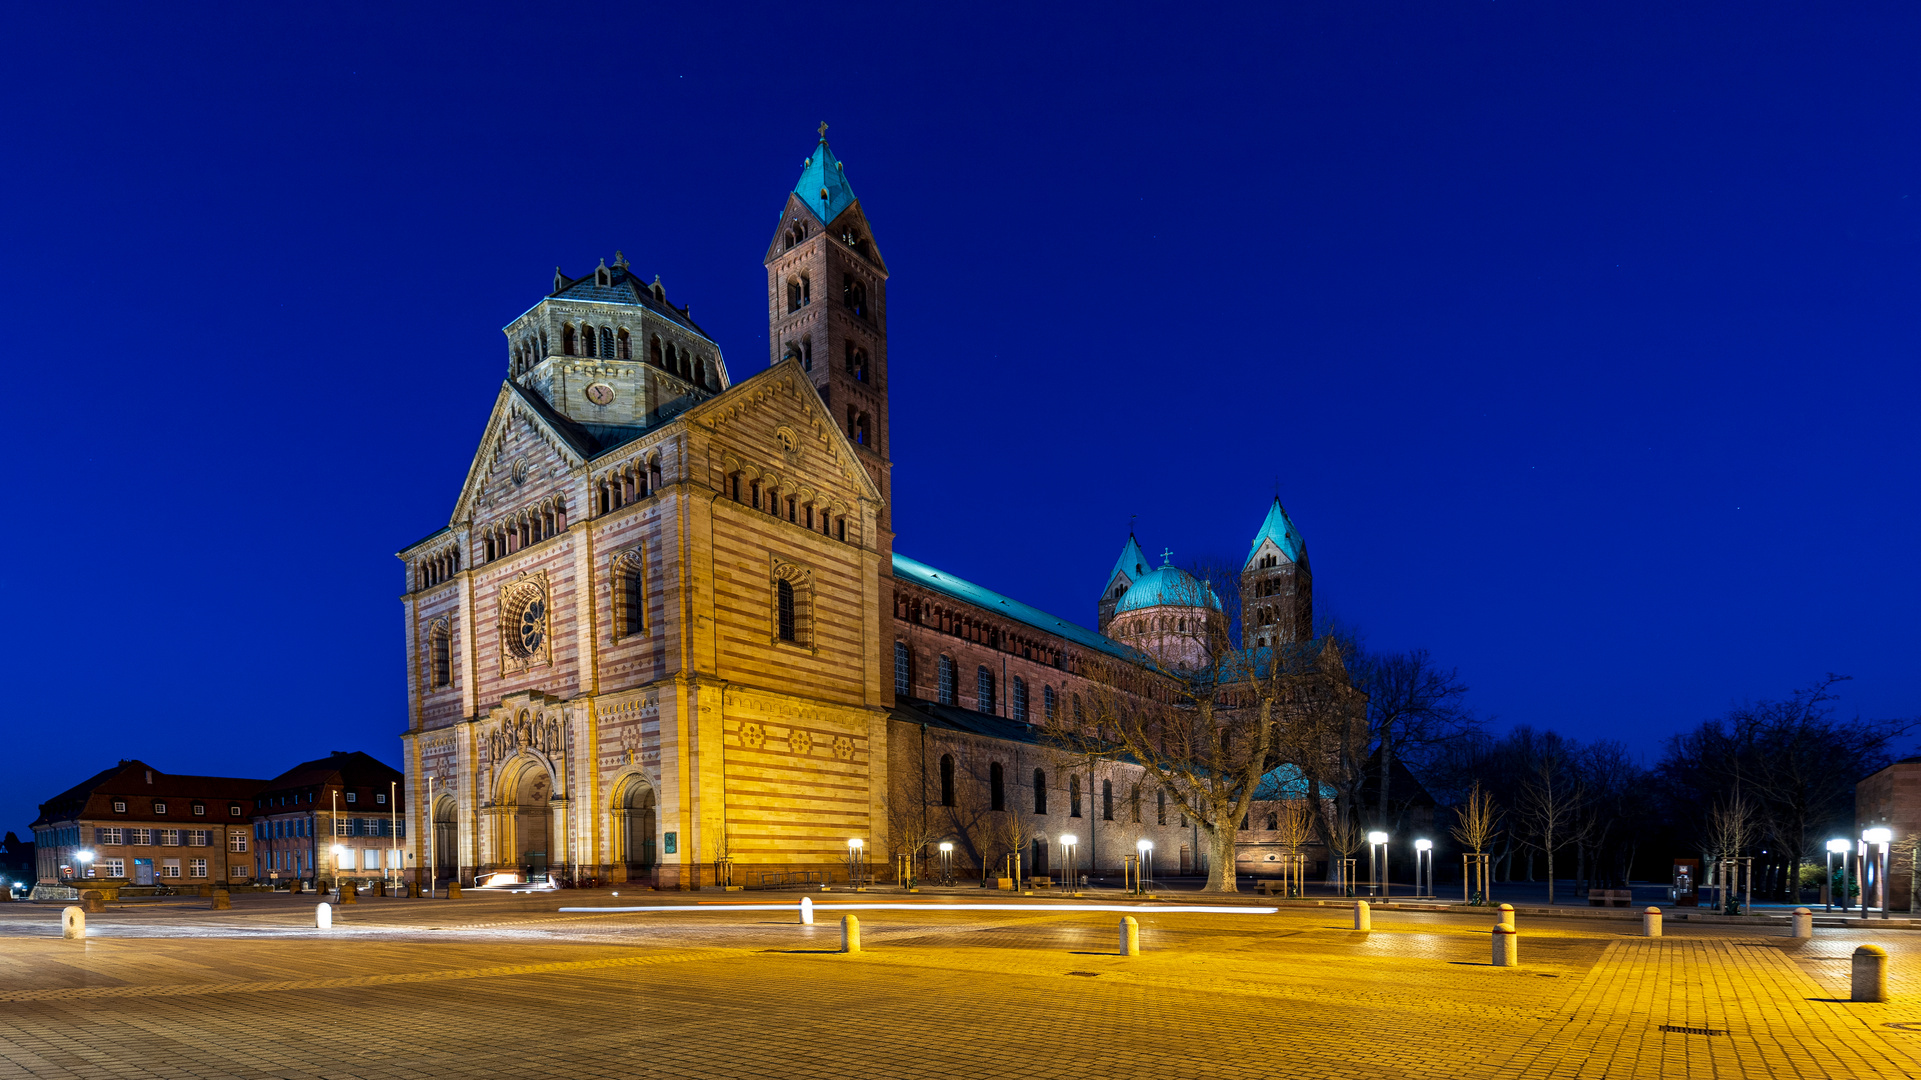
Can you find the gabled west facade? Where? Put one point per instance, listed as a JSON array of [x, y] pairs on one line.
[[664, 637]]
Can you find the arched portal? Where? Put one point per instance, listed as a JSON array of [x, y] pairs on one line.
[[635, 820], [446, 839], [533, 816]]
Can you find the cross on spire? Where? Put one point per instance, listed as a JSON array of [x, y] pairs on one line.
[[823, 131], [1167, 556]]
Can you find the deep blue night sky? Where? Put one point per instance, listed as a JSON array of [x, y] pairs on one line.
[[1581, 344]]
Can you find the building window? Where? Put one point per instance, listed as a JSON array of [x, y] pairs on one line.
[[1273, 822], [1020, 699], [159, 808], [381, 798], [567, 339], [350, 796], [1074, 795], [607, 342], [1047, 701], [197, 868], [984, 689], [200, 838], [115, 868], [947, 682], [170, 868], [996, 788], [947, 780], [903, 673], [1160, 808], [440, 647], [785, 592], [119, 808], [107, 836], [200, 809], [170, 838], [630, 594], [1134, 805], [1107, 800], [1040, 791]]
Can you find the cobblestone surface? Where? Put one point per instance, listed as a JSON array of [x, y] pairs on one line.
[[506, 985]]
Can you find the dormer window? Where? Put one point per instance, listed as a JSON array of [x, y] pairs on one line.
[[350, 796], [603, 276], [200, 809], [381, 799], [159, 808]]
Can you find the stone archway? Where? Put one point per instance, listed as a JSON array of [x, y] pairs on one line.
[[529, 790], [635, 814], [446, 840]]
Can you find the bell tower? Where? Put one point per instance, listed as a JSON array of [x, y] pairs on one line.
[[1277, 587], [827, 307]]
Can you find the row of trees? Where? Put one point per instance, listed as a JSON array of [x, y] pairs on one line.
[[1770, 779]]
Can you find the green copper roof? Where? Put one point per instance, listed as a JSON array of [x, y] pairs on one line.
[[988, 600], [1282, 531], [1167, 585], [1132, 563], [823, 184]]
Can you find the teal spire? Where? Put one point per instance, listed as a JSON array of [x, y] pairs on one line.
[[1133, 563], [823, 183], [1279, 529]]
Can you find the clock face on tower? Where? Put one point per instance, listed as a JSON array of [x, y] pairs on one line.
[[600, 394]]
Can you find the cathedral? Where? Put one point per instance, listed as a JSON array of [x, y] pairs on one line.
[[664, 637]]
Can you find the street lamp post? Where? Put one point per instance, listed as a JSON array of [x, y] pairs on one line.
[[1068, 843], [1424, 855], [339, 853], [1376, 869], [1146, 848], [946, 863], [1837, 847], [855, 848], [86, 862], [1885, 838]]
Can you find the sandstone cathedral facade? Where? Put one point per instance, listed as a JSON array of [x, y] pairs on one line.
[[664, 636]]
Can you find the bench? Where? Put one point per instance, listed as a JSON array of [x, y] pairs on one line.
[[1610, 897], [1038, 882]]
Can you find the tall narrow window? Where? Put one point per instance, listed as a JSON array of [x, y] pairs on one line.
[[632, 595], [441, 645], [785, 591], [607, 342], [1160, 808], [1020, 699], [567, 339], [903, 673], [984, 689], [996, 788], [946, 680], [653, 476], [1047, 701], [1107, 800], [1040, 791], [947, 780], [587, 342], [840, 529], [1134, 805], [653, 351], [623, 345], [1074, 795]]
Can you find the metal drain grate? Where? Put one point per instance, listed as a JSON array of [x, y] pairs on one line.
[[1086, 974], [1693, 1031]]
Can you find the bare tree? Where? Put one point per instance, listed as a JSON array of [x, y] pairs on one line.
[[1205, 718], [1477, 823], [1550, 806], [1412, 705]]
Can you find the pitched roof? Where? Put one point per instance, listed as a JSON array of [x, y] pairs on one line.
[[587, 440], [1132, 562], [624, 287], [1281, 530], [955, 718], [989, 600], [823, 184]]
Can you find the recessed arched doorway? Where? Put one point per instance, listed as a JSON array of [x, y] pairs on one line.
[[446, 840], [533, 818], [635, 818]]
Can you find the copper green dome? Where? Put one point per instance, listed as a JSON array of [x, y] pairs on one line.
[[1167, 586]]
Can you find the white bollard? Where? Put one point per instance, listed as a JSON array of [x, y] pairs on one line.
[[1803, 923], [323, 915], [849, 934], [1507, 914], [1651, 922], [73, 924], [1363, 916], [1130, 936], [1868, 981], [806, 911], [1507, 946]]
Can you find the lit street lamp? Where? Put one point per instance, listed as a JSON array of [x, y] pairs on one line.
[[340, 853], [855, 848], [1841, 848], [1424, 853], [1376, 840], [946, 863], [1068, 843], [1885, 838], [86, 862], [1146, 848]]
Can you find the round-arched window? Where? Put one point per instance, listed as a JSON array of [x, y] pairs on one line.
[[524, 622]]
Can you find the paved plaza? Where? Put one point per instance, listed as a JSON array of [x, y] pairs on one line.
[[508, 985]]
